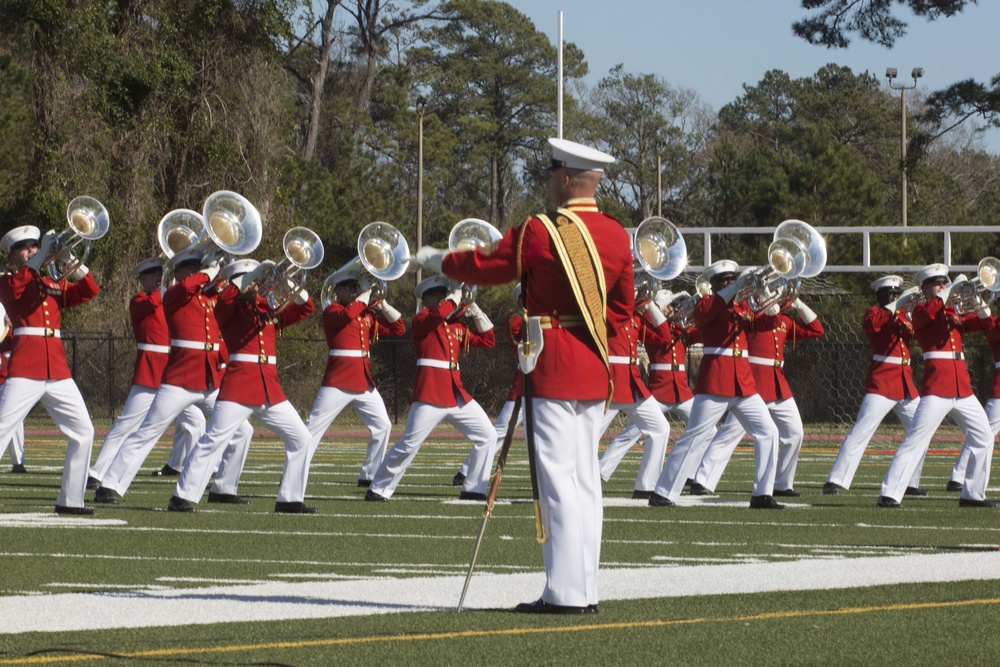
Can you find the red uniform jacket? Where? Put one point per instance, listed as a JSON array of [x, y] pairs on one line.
[[569, 366], [939, 329], [624, 344], [889, 335], [353, 327], [768, 342], [248, 328], [5, 347], [515, 327], [666, 344], [150, 328], [723, 325], [33, 300], [437, 339], [191, 317], [992, 337]]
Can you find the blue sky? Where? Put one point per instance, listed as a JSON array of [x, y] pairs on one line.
[[715, 46]]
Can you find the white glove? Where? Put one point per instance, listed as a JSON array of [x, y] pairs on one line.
[[891, 306], [364, 296], [984, 312], [654, 314], [945, 293], [728, 293], [772, 310], [37, 261], [390, 314], [430, 258], [479, 318], [212, 270], [455, 296], [302, 298], [78, 275], [805, 313]]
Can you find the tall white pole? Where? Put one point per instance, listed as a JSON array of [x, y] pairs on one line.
[[559, 66]]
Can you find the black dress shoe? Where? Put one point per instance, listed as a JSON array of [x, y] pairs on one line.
[[641, 495], [699, 490], [458, 479], [294, 508], [542, 607], [227, 498], [373, 497], [93, 483], [688, 482], [656, 500], [18, 469], [75, 511], [914, 491], [364, 483], [831, 489], [786, 493], [166, 471], [106, 496], [470, 495], [968, 502], [177, 504], [885, 502], [765, 503], [953, 486]]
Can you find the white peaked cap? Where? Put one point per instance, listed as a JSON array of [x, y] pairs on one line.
[[18, 234], [572, 155], [430, 283], [236, 267], [722, 266], [930, 271], [185, 255], [887, 281], [343, 275], [148, 264]]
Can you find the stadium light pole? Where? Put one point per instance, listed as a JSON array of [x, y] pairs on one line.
[[890, 73], [659, 178], [421, 106]]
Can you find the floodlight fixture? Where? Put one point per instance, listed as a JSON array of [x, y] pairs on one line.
[[890, 72]]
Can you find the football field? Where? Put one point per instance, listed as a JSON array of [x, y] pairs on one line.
[[832, 579]]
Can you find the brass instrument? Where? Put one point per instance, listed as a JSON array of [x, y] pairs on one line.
[[659, 248], [470, 234], [87, 220], [383, 256], [797, 251], [280, 283], [967, 296]]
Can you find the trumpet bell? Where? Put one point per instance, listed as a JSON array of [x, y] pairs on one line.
[[178, 230], [472, 233], [232, 222], [989, 273], [303, 248], [88, 218], [800, 250], [659, 248], [383, 251]]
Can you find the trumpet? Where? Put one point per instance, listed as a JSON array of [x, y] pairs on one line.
[[383, 256], [280, 283], [659, 248], [87, 220], [797, 251], [177, 231], [967, 296], [908, 300], [470, 234]]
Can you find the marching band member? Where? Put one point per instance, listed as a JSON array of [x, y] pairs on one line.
[[631, 395], [515, 325], [351, 325], [192, 377], [438, 392], [766, 354], [575, 266], [16, 446], [152, 348], [725, 382], [888, 385], [250, 388], [946, 390], [38, 370], [668, 381]]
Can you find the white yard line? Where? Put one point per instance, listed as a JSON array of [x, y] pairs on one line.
[[274, 601]]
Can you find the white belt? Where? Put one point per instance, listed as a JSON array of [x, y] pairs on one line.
[[194, 345], [620, 360], [899, 361], [149, 347], [37, 331], [437, 363], [944, 355], [349, 353], [762, 361], [253, 358], [724, 352], [666, 367]]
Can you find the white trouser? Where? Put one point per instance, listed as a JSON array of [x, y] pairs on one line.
[[655, 429], [470, 420], [170, 401], [16, 445], [188, 428], [501, 424], [623, 442], [225, 421], [190, 424], [790, 435], [874, 408], [970, 417], [993, 414], [689, 449], [368, 405], [64, 403], [569, 489]]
